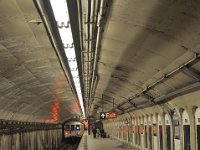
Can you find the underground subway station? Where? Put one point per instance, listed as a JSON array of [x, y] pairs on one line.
[[99, 74]]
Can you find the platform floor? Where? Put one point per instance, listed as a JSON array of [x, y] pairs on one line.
[[89, 143]]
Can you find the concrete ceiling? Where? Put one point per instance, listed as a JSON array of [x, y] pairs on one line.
[[31, 77], [141, 43]]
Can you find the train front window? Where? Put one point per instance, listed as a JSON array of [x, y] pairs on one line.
[[67, 127], [72, 127]]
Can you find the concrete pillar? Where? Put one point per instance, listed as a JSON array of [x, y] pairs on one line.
[[164, 131], [181, 129], [133, 132], [191, 113]]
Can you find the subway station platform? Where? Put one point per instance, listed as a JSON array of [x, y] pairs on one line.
[[90, 143]]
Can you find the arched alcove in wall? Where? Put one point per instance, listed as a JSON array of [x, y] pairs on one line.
[[176, 129], [185, 117], [197, 121], [197, 116], [168, 124], [186, 130]]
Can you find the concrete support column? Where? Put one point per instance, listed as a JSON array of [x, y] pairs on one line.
[[133, 132], [17, 141], [164, 131], [181, 129]]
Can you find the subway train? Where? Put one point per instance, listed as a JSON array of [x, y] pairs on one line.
[[73, 132]]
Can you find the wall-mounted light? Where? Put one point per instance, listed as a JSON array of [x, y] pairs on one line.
[[61, 15]]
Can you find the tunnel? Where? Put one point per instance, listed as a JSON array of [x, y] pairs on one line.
[[99, 74]]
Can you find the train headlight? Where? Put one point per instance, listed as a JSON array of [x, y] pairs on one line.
[[66, 134]]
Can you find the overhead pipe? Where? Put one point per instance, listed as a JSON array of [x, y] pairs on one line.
[[87, 47], [96, 80], [98, 41], [161, 79], [90, 41], [83, 76], [168, 96], [174, 71], [90, 6]]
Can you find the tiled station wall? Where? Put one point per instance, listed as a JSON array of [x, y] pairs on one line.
[[174, 125]]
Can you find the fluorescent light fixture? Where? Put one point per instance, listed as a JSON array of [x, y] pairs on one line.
[[61, 14]]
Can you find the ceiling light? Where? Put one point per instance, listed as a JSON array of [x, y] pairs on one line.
[[61, 15]]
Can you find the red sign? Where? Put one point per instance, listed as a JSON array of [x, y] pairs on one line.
[[111, 115]]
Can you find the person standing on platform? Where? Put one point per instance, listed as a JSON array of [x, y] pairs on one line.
[[94, 132], [98, 132]]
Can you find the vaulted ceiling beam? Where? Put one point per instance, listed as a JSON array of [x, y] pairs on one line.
[[191, 73]]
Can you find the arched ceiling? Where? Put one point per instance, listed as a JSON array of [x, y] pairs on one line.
[[142, 43], [32, 80], [139, 53]]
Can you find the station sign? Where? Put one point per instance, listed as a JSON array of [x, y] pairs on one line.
[[108, 115]]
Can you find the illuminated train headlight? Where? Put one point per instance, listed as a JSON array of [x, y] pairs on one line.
[[67, 134]]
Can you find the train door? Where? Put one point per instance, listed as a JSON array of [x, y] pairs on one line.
[[186, 131], [72, 127], [197, 121]]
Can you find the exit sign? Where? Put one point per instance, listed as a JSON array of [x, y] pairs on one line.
[[111, 115], [108, 115]]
